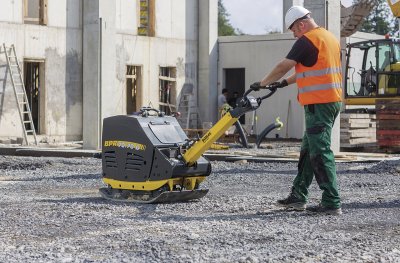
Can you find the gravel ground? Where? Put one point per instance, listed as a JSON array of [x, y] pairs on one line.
[[51, 212]]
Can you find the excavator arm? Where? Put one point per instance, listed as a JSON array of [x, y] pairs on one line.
[[395, 7]]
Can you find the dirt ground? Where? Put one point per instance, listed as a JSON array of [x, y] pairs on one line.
[[50, 211]]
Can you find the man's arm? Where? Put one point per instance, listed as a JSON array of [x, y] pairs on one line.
[[279, 71], [291, 79]]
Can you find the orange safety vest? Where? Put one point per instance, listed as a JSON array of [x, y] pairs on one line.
[[321, 83]]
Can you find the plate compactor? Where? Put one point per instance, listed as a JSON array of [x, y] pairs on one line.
[[147, 158]]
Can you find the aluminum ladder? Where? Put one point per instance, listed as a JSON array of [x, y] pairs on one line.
[[24, 109], [190, 117]]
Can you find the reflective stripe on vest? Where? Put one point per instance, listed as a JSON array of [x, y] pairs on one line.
[[320, 87], [317, 73]]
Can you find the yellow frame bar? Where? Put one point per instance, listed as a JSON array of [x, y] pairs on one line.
[[202, 145], [395, 6], [188, 182], [366, 101]]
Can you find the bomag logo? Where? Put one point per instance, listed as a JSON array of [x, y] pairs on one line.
[[206, 137], [125, 144]]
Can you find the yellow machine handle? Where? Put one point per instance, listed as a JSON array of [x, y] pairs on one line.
[[246, 104], [202, 145]]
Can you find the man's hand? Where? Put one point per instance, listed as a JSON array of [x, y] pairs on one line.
[[278, 84], [256, 86]]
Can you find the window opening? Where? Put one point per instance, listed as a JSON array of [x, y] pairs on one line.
[[35, 12], [146, 18], [133, 89], [167, 89]]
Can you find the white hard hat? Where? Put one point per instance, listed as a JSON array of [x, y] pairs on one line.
[[294, 13]]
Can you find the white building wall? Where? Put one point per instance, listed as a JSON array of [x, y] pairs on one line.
[[152, 53], [126, 15], [258, 55], [59, 45], [208, 60], [174, 45], [11, 11], [64, 13]]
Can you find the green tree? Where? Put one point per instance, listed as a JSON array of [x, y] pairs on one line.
[[224, 26], [381, 20]]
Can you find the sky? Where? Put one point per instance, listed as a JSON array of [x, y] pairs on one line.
[[258, 17]]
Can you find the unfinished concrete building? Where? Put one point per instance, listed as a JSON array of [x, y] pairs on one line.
[[82, 61]]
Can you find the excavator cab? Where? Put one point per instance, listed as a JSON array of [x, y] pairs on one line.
[[372, 71]]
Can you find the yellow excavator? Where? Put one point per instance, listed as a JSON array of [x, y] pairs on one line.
[[147, 157], [372, 71], [373, 68]]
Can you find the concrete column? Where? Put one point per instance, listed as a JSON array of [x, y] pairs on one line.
[[327, 14], [286, 5], [208, 60], [98, 66], [318, 11]]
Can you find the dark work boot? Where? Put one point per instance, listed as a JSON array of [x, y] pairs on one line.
[[292, 202], [325, 210]]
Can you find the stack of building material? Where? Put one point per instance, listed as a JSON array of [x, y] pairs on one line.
[[357, 130], [388, 122]]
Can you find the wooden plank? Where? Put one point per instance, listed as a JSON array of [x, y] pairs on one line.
[[357, 116], [348, 145], [358, 125], [388, 137], [387, 101], [358, 140], [356, 121], [347, 137], [388, 132], [387, 106], [358, 134], [43, 12], [354, 131], [388, 125], [389, 116], [388, 111], [390, 143]]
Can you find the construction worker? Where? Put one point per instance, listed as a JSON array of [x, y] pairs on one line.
[[315, 56], [223, 102]]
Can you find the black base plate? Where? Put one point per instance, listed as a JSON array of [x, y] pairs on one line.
[[152, 197]]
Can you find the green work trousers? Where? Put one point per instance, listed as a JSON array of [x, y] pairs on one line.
[[316, 156]]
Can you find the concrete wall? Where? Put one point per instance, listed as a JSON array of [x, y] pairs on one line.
[[258, 55], [106, 58], [85, 72], [11, 11], [59, 45], [151, 53], [175, 45], [208, 60]]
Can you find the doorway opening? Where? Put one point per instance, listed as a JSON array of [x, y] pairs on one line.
[[235, 83], [133, 89], [34, 87]]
